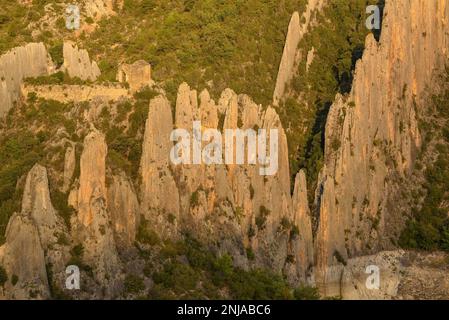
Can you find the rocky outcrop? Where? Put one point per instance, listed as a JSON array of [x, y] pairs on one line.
[[23, 258], [375, 277], [36, 204], [372, 134], [69, 166], [160, 198], [29, 234], [390, 275], [92, 176], [124, 208], [92, 226], [31, 60], [231, 208], [296, 30], [302, 245], [77, 63]]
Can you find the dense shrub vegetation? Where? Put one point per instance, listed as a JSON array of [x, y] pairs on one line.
[[214, 43], [17, 22], [19, 151], [23, 144], [191, 271], [429, 227], [236, 44], [338, 41], [3, 276]]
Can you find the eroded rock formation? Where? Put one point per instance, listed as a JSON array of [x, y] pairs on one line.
[[77, 63], [372, 134], [29, 235], [31, 60]]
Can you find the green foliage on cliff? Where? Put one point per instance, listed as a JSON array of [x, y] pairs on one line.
[[194, 272], [337, 42], [428, 229], [58, 78], [236, 44], [19, 151], [3, 276]]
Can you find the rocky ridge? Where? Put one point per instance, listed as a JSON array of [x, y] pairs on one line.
[[372, 135]]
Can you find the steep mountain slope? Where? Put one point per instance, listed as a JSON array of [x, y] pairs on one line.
[[87, 178], [372, 135]]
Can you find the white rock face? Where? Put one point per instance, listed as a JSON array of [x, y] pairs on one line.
[[98, 9], [160, 196], [36, 204], [78, 64], [31, 60], [23, 256], [92, 226], [373, 133], [302, 246]]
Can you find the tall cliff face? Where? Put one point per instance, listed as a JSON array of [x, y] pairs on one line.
[[372, 135], [159, 194], [31, 60], [371, 139], [93, 224]]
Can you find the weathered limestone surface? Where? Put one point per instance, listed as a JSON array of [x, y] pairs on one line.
[[77, 63], [373, 133], [23, 256], [69, 166], [92, 226], [302, 246], [31, 60], [124, 208], [98, 9], [220, 204], [356, 280], [159, 194], [29, 234]]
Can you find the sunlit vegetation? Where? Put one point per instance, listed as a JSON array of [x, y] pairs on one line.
[[205, 275], [338, 41], [428, 229]]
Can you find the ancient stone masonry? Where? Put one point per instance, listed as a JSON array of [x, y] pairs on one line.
[[31, 60], [137, 75], [373, 133], [76, 93]]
